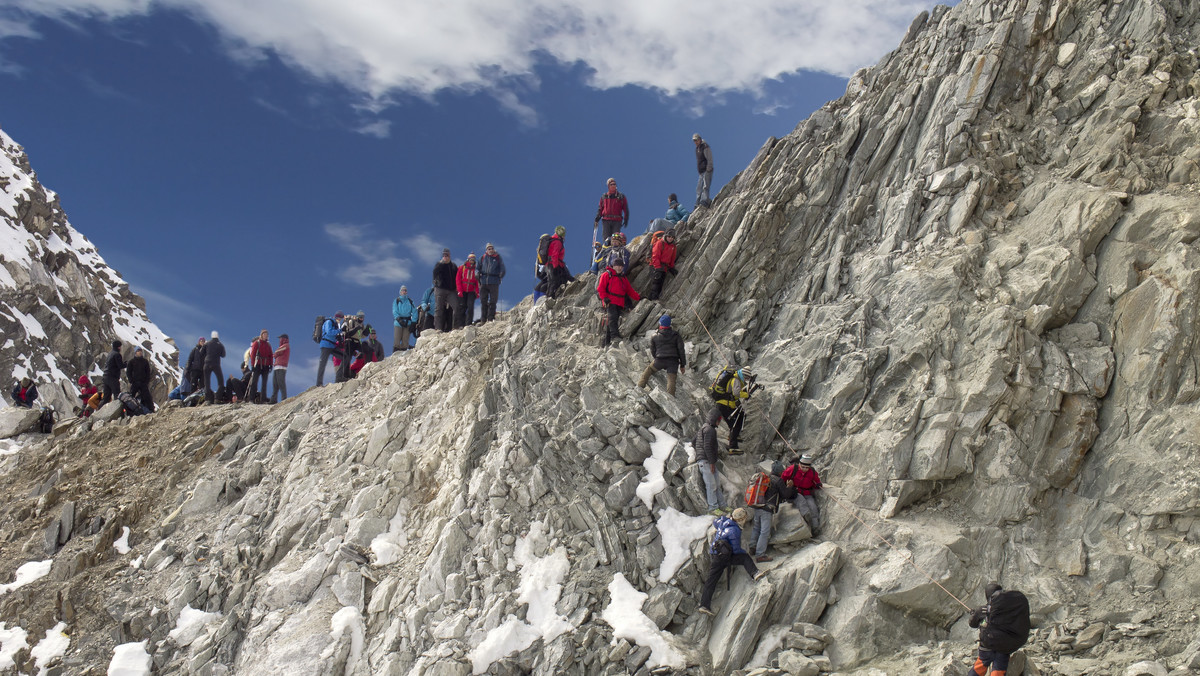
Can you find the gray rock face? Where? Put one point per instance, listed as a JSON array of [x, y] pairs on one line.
[[61, 306], [978, 313]]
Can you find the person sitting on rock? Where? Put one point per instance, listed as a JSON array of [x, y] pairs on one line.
[[764, 512], [1003, 624], [24, 393], [138, 372], [676, 215], [615, 291], [801, 476], [725, 551], [371, 351], [667, 353], [87, 392], [729, 390], [706, 449]]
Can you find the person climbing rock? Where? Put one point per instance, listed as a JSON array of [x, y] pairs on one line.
[[1003, 624], [491, 273], [445, 283], [726, 550], [805, 481], [662, 263], [667, 354], [615, 291], [613, 212], [24, 393], [706, 448], [139, 373], [618, 251], [87, 392], [729, 390], [112, 372], [704, 165], [765, 506], [467, 285]]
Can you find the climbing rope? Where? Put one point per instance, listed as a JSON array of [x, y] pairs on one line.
[[907, 555]]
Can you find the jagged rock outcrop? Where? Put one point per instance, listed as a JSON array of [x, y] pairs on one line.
[[61, 306], [969, 287]]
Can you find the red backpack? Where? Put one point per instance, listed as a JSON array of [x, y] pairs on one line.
[[756, 492]]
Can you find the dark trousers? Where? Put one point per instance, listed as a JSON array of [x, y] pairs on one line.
[[734, 417], [194, 377], [465, 315], [718, 566], [142, 392], [112, 387], [996, 661], [349, 351], [488, 295], [326, 353], [613, 330], [208, 371], [608, 228], [658, 277], [279, 385], [446, 307], [258, 372]]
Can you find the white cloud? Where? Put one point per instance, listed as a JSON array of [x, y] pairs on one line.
[[380, 47], [378, 129], [379, 260]]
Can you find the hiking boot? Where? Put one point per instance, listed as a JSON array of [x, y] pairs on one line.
[[752, 551], [707, 611], [734, 450], [760, 575], [764, 559]]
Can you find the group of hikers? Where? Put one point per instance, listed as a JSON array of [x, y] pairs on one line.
[[259, 361]]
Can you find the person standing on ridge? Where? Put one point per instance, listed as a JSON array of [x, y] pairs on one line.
[[405, 314], [139, 373], [667, 353], [706, 448], [1003, 624], [613, 211], [730, 389], [704, 165], [445, 282], [805, 480], [491, 273], [112, 372], [726, 550], [262, 359], [467, 285], [427, 309], [556, 272], [330, 344], [194, 369], [615, 291], [662, 261], [214, 352], [279, 380]]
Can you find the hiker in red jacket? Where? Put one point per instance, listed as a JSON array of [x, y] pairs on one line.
[[556, 267], [662, 261], [262, 358], [613, 211], [805, 480], [468, 291], [614, 290]]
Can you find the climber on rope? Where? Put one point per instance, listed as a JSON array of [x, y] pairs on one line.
[[725, 551], [667, 354], [729, 390], [1003, 624], [801, 476]]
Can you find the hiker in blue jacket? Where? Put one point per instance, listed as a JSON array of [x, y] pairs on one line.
[[430, 309], [331, 337], [404, 313], [491, 273], [676, 215], [726, 550]]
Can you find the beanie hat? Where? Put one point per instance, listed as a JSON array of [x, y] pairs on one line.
[[445, 252], [991, 588], [403, 290], [777, 468], [664, 320], [740, 515], [117, 344], [360, 314], [471, 255], [338, 315], [215, 334], [560, 231], [490, 246], [83, 380]]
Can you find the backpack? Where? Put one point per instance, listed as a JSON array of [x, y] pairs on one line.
[[720, 385], [543, 252], [46, 421], [756, 492], [320, 323], [1007, 621], [131, 404]]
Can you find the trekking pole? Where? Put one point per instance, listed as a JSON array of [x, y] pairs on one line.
[[904, 553]]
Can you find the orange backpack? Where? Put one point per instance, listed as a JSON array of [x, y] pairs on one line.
[[756, 492]]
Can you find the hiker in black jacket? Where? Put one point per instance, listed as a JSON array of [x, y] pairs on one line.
[[112, 372], [666, 350], [707, 455], [194, 369], [764, 512], [213, 353], [1003, 628], [138, 373], [445, 285]]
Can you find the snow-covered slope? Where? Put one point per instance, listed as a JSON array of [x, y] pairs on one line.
[[61, 305]]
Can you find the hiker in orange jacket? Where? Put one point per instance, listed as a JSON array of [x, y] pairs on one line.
[[615, 290]]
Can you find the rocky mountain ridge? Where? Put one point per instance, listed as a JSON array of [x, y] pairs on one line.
[[61, 305], [969, 287]]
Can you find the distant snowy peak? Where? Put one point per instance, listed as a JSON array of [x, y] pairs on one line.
[[61, 305]]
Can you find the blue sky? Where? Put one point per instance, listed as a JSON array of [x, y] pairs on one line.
[[252, 165]]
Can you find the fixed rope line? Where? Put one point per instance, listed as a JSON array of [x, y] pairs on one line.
[[907, 555]]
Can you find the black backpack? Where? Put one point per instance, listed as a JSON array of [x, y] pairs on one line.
[[320, 323], [46, 421], [543, 254], [1007, 622], [720, 385]]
